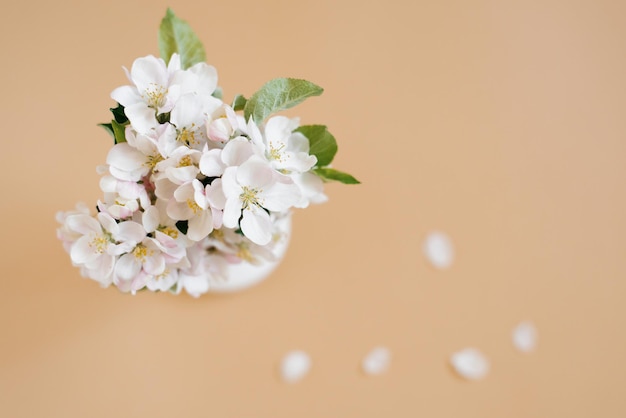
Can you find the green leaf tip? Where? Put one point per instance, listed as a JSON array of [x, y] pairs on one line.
[[330, 174], [278, 94], [176, 36], [239, 103]]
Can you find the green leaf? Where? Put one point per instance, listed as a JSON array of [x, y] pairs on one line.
[[330, 174], [119, 131], [239, 102], [278, 94], [176, 36], [118, 114], [322, 143], [218, 93], [109, 128]]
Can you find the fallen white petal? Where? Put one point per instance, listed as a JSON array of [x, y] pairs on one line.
[[470, 364], [294, 366], [377, 361], [525, 336], [438, 249]]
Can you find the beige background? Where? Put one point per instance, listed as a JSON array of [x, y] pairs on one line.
[[500, 123]]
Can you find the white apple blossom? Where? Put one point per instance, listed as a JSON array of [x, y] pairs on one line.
[[164, 281], [152, 92], [167, 237], [68, 236], [286, 150], [181, 166], [214, 162], [102, 240], [189, 117], [223, 124], [117, 206], [252, 189], [236, 248], [204, 268], [200, 205], [135, 268]]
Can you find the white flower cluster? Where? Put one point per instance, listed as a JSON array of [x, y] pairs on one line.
[[193, 187]]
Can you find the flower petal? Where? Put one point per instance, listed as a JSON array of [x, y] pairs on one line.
[[126, 96], [82, 251], [237, 151], [255, 172], [141, 117], [127, 267], [149, 71], [211, 164], [256, 225], [150, 219], [83, 224], [281, 196], [130, 231], [200, 226], [232, 212], [155, 264]]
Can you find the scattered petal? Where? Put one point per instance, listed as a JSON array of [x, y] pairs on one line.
[[438, 249], [525, 337], [294, 366], [377, 361], [470, 364]]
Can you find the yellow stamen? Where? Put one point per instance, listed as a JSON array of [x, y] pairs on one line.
[[155, 95], [163, 275], [193, 206], [153, 160], [100, 243], [141, 252], [185, 161], [169, 231], [275, 153], [249, 197], [188, 136], [244, 253]]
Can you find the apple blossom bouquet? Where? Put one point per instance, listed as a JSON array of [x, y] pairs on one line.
[[193, 184]]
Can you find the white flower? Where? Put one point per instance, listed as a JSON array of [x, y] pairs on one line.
[[223, 124], [285, 150], [68, 236], [127, 163], [189, 117], [164, 281], [135, 268], [203, 268], [251, 190], [197, 204], [117, 206], [156, 221], [181, 166], [170, 241], [235, 248], [153, 91], [101, 241], [213, 162]]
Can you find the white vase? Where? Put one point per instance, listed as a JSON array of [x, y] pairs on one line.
[[243, 275]]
